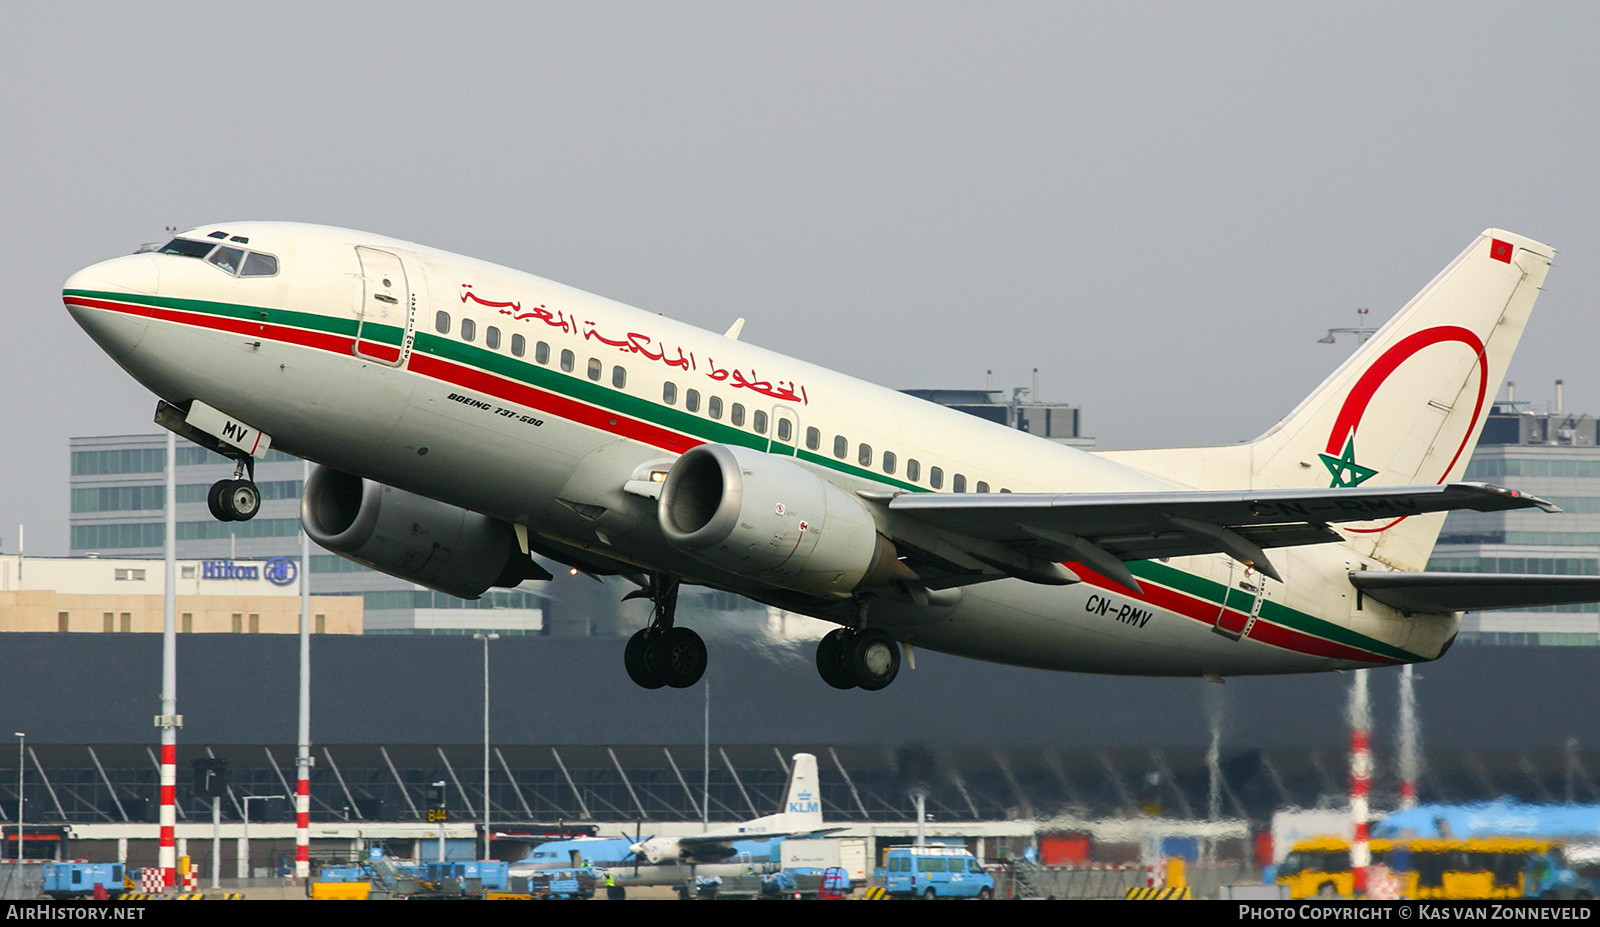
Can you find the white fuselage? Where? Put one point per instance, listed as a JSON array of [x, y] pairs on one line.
[[540, 428]]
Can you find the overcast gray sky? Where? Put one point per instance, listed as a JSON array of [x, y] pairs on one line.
[[1160, 206]]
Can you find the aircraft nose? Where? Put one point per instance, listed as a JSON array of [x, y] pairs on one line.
[[98, 298]]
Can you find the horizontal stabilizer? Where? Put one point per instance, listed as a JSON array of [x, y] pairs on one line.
[[1472, 592]]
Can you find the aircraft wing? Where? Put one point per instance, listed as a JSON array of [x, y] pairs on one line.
[[1473, 592], [1028, 535], [699, 840]]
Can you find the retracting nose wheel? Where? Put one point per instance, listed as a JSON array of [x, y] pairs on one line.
[[233, 500]]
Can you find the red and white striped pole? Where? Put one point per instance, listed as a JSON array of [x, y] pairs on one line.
[[302, 796], [168, 720], [1360, 781]]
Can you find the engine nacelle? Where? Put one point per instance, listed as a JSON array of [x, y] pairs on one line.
[[772, 519], [412, 537]]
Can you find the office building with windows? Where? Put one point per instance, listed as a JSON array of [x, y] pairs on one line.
[[1555, 456]]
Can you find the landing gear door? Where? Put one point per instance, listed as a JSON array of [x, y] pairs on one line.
[[385, 312]]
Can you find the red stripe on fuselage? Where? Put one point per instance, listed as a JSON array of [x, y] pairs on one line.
[[1205, 611], [552, 403]]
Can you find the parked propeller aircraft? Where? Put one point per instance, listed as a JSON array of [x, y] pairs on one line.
[[464, 416], [724, 851]]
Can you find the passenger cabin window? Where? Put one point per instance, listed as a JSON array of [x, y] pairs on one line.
[[913, 469], [569, 360], [758, 421], [541, 352], [736, 414], [982, 486], [491, 337], [619, 377], [958, 483], [864, 455], [888, 461], [469, 329], [813, 438], [785, 430], [714, 407], [841, 446], [441, 323], [669, 393], [691, 400], [519, 345], [595, 369], [935, 477]]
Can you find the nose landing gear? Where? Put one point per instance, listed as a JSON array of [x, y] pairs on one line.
[[237, 499], [233, 500], [661, 654]]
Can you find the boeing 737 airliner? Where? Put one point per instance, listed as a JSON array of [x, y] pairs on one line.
[[464, 416]]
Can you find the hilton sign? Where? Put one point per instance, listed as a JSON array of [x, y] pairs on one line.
[[279, 571]]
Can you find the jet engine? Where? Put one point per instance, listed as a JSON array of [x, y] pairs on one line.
[[412, 537], [771, 519]]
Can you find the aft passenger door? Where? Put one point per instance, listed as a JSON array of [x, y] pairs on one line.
[[1242, 597], [386, 308], [785, 436]]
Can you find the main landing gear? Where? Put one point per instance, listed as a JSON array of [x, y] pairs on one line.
[[237, 499], [848, 659], [661, 654]]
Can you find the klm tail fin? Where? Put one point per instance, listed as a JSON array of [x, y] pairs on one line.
[[801, 812], [802, 803], [1405, 409]]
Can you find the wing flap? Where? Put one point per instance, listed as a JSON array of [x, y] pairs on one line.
[[1472, 592]]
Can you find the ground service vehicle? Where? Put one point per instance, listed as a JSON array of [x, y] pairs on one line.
[[1480, 867], [77, 879], [931, 872]]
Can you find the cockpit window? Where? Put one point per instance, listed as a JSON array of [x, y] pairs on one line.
[[187, 248], [227, 258], [233, 261], [259, 265]]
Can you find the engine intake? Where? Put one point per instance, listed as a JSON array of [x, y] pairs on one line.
[[412, 537], [771, 519]]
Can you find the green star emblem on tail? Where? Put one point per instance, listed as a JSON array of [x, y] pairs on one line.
[[1344, 469]]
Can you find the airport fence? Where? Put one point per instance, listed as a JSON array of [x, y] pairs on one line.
[[1097, 882], [1062, 882], [21, 886]]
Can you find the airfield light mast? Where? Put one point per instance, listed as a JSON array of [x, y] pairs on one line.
[[169, 720], [302, 760], [1362, 330], [1360, 781]]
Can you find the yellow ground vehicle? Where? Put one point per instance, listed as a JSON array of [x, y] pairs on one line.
[[1486, 867]]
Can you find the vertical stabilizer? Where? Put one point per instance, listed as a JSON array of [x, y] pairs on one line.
[[1407, 408], [801, 812]]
